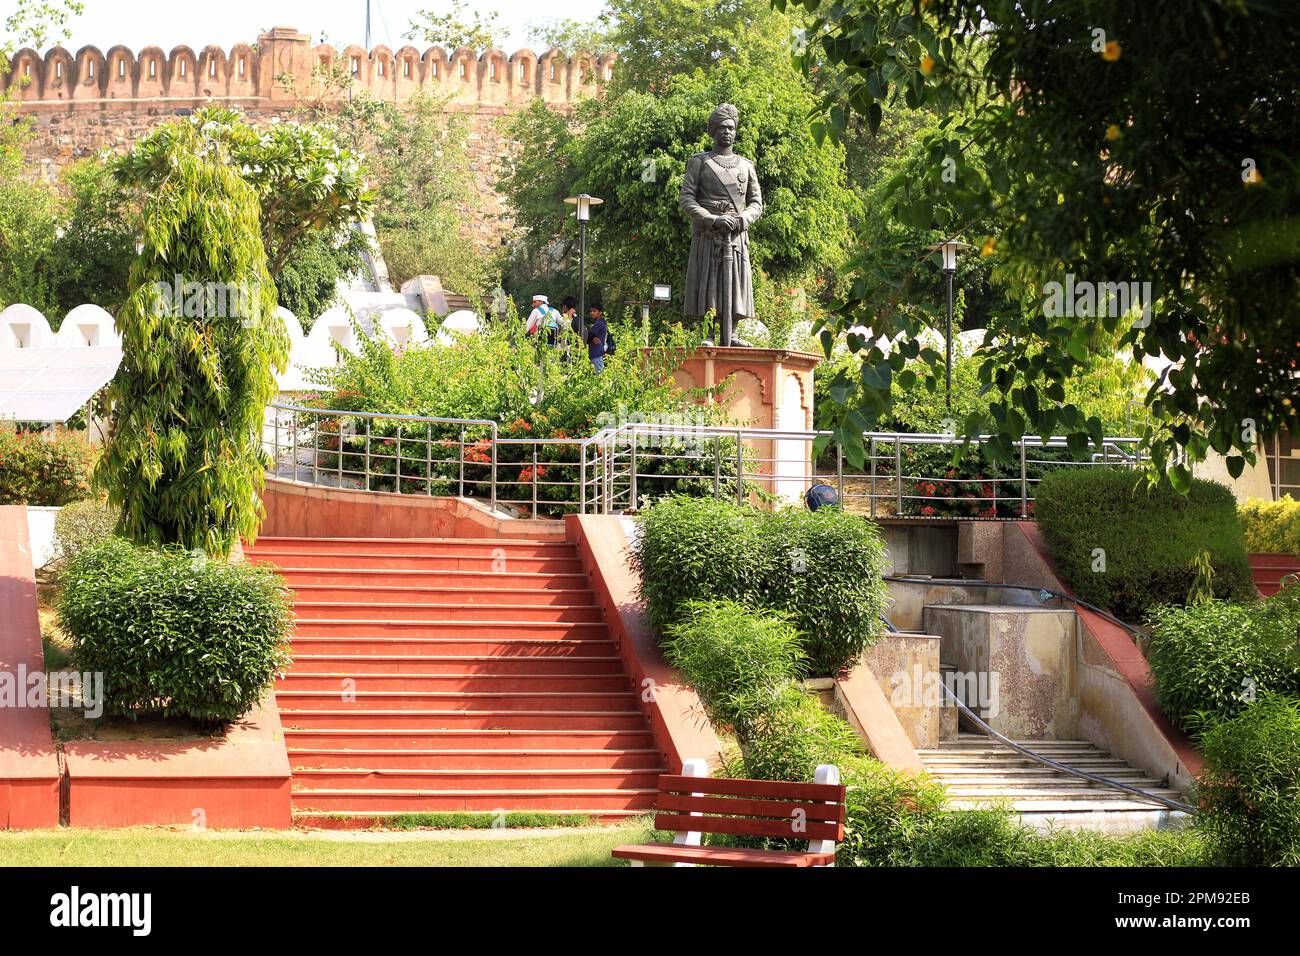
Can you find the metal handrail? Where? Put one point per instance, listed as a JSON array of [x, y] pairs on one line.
[[1047, 761], [1064, 768], [615, 463]]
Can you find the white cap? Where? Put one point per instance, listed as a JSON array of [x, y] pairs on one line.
[[540, 297]]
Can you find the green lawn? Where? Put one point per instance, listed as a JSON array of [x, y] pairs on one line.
[[155, 847]]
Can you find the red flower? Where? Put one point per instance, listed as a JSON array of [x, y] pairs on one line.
[[928, 510]]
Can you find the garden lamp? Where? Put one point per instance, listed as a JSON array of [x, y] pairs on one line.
[[949, 249], [583, 215]]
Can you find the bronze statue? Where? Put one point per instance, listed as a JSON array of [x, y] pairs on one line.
[[720, 194]]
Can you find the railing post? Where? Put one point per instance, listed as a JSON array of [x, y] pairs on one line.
[[494, 467], [582, 479], [534, 479], [839, 471], [717, 467], [632, 503], [740, 469], [898, 474], [367, 459], [397, 470], [275, 458], [428, 460], [461, 491], [871, 449], [1024, 483], [315, 451], [340, 452]]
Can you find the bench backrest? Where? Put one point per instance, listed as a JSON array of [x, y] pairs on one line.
[[761, 808]]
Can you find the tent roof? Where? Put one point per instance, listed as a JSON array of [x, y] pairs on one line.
[[52, 384]]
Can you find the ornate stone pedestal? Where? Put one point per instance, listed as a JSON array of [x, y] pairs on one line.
[[763, 389]]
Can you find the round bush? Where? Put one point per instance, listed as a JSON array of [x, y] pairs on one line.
[[1142, 540], [175, 633], [821, 569], [1272, 527], [1249, 789], [1210, 660], [37, 469], [83, 524]]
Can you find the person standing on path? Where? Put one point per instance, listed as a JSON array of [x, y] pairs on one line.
[[597, 332]]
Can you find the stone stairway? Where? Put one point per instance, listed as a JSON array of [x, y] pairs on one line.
[[438, 675], [979, 771]]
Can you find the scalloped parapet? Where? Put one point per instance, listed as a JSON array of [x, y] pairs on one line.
[[284, 68]]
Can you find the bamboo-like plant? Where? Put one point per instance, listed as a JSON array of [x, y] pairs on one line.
[[201, 346]]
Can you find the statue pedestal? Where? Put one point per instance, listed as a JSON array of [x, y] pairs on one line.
[[763, 388]]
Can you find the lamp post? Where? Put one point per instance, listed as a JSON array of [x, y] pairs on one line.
[[949, 249], [583, 214]]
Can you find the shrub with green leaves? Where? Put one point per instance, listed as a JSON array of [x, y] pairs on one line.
[[1249, 789], [1271, 527], [822, 569], [83, 524], [1210, 660], [1142, 541], [174, 633], [37, 469], [737, 659]]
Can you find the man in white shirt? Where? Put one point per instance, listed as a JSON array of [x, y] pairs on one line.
[[545, 319]]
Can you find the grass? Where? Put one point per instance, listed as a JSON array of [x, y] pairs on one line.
[[514, 820], [148, 846]]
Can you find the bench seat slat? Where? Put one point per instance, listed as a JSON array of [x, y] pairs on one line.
[[742, 807], [720, 855], [749, 826], [776, 789]]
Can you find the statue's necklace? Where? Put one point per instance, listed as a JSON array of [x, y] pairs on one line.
[[726, 162]]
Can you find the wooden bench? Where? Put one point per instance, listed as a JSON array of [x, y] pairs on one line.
[[694, 803]]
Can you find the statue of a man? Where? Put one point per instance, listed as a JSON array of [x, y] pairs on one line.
[[720, 194]]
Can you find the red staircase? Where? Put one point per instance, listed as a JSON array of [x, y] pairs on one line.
[[438, 675], [1268, 570]]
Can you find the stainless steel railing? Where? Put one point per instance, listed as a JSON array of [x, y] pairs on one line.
[[620, 467]]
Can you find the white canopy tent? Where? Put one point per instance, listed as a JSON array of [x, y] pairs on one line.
[[51, 384]]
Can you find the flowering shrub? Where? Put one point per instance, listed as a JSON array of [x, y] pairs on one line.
[[36, 469]]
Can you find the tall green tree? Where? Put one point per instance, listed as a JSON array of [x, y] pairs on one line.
[[1119, 142], [183, 459]]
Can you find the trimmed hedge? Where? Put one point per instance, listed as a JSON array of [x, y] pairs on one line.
[[36, 469], [1210, 660], [1249, 790], [822, 569], [175, 633], [1150, 536], [1271, 527]]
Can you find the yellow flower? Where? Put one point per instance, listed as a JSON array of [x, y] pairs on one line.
[[1112, 51], [990, 246], [927, 64], [1113, 132]]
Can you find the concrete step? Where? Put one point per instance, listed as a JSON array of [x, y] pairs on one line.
[[382, 627], [483, 547], [422, 611], [536, 742], [400, 700], [357, 665], [477, 683], [443, 719], [1085, 791], [295, 575], [433, 561], [517, 778], [387, 594], [483, 645], [646, 758], [390, 802]]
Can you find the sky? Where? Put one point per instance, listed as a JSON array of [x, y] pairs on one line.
[[170, 23]]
